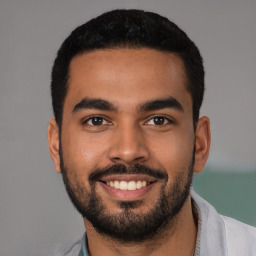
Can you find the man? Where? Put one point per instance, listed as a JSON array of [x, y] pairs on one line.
[[127, 88]]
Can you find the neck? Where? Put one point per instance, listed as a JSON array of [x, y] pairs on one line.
[[177, 238]]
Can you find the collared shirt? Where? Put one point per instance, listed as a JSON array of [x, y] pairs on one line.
[[216, 236]]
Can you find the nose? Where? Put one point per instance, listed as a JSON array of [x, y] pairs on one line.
[[128, 146]]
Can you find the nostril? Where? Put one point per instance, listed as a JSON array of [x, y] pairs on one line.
[[128, 161], [127, 152]]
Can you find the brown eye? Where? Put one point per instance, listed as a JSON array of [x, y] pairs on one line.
[[158, 120], [96, 121]]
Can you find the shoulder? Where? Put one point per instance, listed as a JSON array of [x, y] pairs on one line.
[[241, 238], [220, 235]]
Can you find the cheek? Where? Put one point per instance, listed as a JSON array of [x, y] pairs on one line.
[[173, 153], [83, 152], [174, 149]]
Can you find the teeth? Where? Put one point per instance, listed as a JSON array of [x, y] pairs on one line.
[[139, 184], [132, 185], [124, 185], [116, 184]]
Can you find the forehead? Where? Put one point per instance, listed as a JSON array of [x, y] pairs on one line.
[[127, 76]]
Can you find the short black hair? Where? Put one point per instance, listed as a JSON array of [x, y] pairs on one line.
[[128, 29]]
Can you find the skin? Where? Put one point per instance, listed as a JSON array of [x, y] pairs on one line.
[[127, 78]]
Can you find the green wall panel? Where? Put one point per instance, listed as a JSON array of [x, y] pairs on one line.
[[232, 194]]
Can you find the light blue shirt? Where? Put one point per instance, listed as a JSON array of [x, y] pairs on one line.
[[84, 249], [217, 235]]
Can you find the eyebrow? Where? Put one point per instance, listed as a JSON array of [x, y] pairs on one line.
[[158, 104], [99, 104]]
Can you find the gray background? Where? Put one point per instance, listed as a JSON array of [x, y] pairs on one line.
[[35, 212]]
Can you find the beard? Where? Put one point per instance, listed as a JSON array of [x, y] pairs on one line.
[[129, 225]]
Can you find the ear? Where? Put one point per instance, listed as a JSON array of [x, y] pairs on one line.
[[203, 141], [53, 143]]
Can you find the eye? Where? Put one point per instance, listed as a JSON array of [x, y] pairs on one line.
[[159, 120], [95, 121]]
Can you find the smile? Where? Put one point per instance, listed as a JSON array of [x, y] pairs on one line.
[[130, 185], [127, 187]]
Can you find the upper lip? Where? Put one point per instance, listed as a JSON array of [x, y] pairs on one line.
[[128, 177]]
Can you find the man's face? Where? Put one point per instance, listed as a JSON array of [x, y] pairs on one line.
[[127, 139]]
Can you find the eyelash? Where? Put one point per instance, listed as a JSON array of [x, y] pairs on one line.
[[166, 120], [85, 122]]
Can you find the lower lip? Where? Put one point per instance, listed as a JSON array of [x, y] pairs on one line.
[[127, 195]]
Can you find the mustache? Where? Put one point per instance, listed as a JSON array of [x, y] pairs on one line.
[[123, 169]]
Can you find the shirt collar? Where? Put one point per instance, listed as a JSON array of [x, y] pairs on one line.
[[211, 236], [84, 247]]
